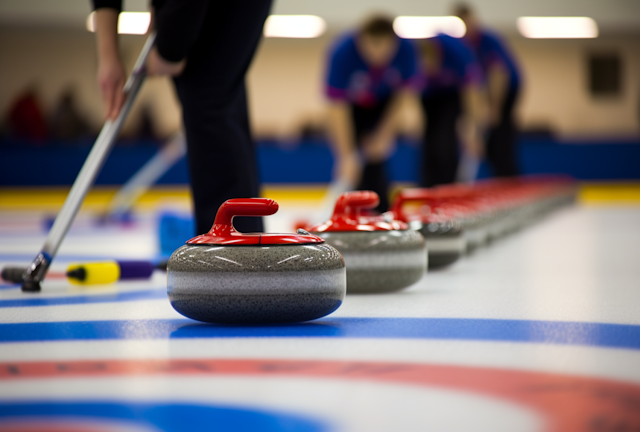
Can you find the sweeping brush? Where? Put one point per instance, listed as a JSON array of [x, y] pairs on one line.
[[96, 272]]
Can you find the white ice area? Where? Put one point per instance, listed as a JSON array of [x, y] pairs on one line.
[[579, 264]]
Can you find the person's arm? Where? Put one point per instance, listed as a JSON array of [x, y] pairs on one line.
[[471, 124], [348, 166], [111, 77], [342, 138], [380, 144], [157, 65], [178, 25], [497, 83]]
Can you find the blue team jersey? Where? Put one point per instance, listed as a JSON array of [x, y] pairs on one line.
[[351, 79], [491, 50], [458, 65]]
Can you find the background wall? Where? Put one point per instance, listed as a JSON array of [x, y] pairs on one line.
[[286, 85], [285, 81], [54, 58], [556, 86]]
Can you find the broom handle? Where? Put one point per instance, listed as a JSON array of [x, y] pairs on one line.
[[99, 152]]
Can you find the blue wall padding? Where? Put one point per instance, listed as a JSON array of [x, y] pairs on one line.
[[311, 162]]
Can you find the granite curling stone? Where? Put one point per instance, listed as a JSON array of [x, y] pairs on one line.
[[444, 235], [227, 277], [469, 208], [382, 255]]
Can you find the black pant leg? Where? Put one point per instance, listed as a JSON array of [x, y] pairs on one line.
[[440, 139], [221, 152], [374, 175], [374, 178], [222, 163], [502, 140]]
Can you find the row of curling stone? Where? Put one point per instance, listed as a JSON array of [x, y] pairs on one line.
[[381, 254], [511, 204], [227, 277], [457, 219], [445, 241]]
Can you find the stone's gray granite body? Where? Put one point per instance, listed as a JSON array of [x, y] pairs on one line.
[[476, 237], [445, 242], [256, 284], [476, 230], [380, 261]]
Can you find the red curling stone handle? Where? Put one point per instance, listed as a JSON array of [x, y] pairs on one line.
[[351, 202], [223, 233], [409, 195], [416, 194], [244, 207], [425, 195]]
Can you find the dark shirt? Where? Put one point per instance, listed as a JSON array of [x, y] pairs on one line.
[[178, 24], [458, 65], [351, 79], [491, 50]]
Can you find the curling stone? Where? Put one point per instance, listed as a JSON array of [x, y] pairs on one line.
[[227, 277], [443, 233], [382, 254], [462, 202]]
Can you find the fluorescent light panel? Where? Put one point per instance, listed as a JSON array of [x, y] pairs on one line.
[[557, 27], [128, 22], [421, 27], [294, 26]]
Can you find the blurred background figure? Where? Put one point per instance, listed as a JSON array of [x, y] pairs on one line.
[[25, 118], [67, 123], [451, 102], [502, 78], [576, 110], [371, 73]]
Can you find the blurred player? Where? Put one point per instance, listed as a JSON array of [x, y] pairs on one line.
[[207, 47], [452, 103], [371, 74], [503, 85]]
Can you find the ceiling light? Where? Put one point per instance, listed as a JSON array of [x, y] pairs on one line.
[[91, 25], [128, 22], [421, 27], [557, 27], [294, 26]]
